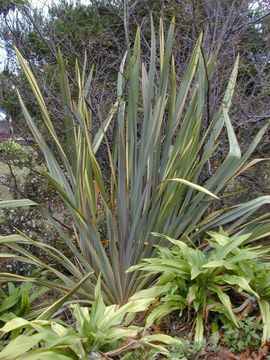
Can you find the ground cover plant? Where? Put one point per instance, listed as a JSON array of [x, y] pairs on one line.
[[248, 334]]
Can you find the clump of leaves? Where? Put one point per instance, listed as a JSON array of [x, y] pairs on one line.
[[98, 329], [133, 355], [18, 155], [12, 149], [187, 350], [19, 301], [259, 275], [247, 335], [200, 282]]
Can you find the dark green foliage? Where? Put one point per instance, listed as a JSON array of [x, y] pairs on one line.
[[18, 301], [247, 335], [187, 350]]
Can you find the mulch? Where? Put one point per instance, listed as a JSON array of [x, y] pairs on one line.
[[248, 354]]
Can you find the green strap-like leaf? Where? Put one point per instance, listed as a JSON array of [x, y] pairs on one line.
[[193, 186], [19, 346], [54, 307], [16, 203], [265, 311]]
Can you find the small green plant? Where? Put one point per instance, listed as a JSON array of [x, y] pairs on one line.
[[178, 351], [260, 281], [247, 335], [12, 150], [98, 329], [20, 301], [187, 350], [15, 154], [201, 283], [133, 355]]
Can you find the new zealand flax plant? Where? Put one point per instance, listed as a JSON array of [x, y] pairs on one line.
[[161, 149]]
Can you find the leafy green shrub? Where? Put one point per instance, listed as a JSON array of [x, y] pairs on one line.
[[96, 330], [157, 162], [17, 154], [260, 281], [246, 335], [20, 301], [12, 149], [204, 282]]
